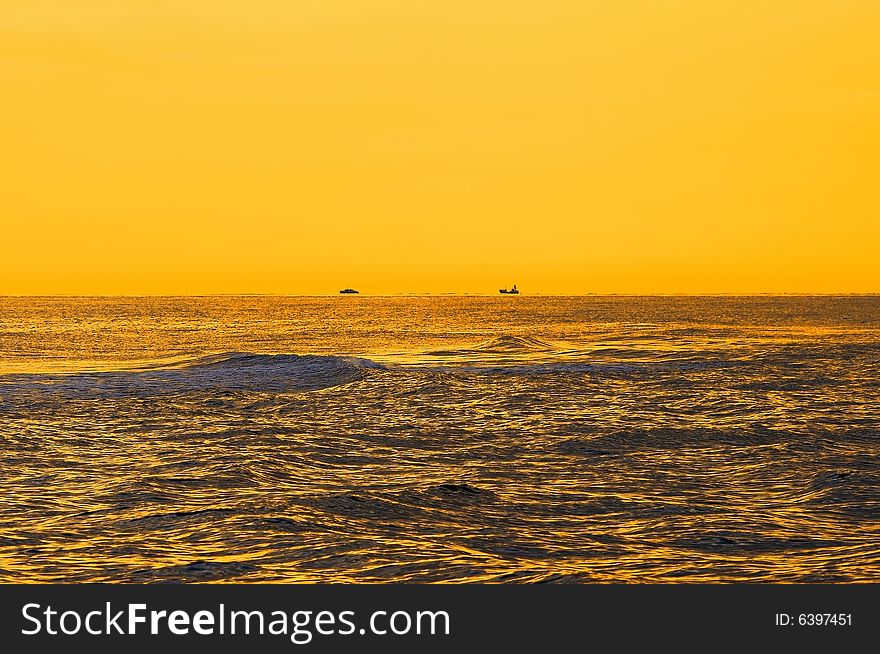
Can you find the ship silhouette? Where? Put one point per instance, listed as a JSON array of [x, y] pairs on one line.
[[509, 291], [349, 291]]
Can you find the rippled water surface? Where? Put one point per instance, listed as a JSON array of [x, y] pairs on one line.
[[440, 439]]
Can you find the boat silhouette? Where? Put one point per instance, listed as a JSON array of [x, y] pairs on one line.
[[509, 291], [349, 291]]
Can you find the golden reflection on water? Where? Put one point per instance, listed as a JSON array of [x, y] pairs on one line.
[[440, 439]]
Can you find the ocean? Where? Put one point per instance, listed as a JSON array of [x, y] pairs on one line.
[[440, 439]]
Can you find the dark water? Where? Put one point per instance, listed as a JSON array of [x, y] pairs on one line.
[[440, 439]]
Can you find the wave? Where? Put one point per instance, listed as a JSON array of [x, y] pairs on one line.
[[508, 343], [503, 344], [229, 371], [525, 355]]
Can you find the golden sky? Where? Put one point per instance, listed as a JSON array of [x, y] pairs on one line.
[[568, 146]]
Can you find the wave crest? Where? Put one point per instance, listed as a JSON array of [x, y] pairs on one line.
[[504, 344], [228, 371]]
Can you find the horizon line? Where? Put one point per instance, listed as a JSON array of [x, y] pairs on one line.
[[449, 294]]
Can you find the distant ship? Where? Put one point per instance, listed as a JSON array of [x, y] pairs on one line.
[[509, 291], [349, 291]]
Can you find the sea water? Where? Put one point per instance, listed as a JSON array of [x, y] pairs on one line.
[[424, 439]]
